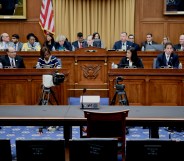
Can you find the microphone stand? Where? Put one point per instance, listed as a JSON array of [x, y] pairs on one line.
[[83, 92]]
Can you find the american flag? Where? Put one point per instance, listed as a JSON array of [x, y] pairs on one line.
[[47, 16]]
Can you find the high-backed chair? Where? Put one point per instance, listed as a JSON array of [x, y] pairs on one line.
[[107, 124]]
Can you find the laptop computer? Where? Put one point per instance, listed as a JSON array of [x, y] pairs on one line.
[[154, 47]]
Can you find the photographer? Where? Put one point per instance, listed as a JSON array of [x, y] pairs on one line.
[[47, 59], [131, 60]]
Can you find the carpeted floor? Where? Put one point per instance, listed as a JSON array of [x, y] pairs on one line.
[[31, 132]]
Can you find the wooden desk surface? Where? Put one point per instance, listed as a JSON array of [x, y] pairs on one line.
[[73, 115]]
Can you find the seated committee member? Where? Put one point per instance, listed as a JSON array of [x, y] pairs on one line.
[[11, 60], [8, 7], [131, 60], [168, 58], [131, 38], [91, 43], [180, 46], [47, 60], [96, 37], [32, 44], [149, 41], [165, 40], [50, 42], [5, 41], [17, 44], [62, 44], [123, 44], [79, 42]]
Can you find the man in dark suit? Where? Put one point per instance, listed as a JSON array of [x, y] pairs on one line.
[[131, 38], [11, 60], [79, 42], [180, 46], [122, 44], [149, 41], [168, 59], [7, 7], [91, 43], [17, 44]]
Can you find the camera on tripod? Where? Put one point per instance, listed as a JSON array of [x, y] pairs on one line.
[[54, 79], [120, 92], [120, 87]]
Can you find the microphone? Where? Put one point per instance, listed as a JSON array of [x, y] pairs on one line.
[[83, 92]]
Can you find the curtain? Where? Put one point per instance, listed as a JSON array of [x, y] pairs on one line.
[[108, 17]]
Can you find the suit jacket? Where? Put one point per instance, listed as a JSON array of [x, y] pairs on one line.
[[173, 60], [118, 45], [9, 44], [95, 44], [177, 47], [136, 46], [19, 48], [67, 45], [145, 43], [6, 61], [76, 44], [125, 62]]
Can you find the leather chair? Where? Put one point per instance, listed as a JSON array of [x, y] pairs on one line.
[[107, 124]]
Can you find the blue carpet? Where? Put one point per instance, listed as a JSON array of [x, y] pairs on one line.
[[31, 132]]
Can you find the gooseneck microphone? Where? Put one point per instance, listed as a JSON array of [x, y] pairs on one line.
[[83, 92]]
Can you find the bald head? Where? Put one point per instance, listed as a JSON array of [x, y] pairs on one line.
[[5, 37], [11, 52]]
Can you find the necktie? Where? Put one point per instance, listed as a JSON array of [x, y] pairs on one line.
[[15, 46], [5, 46], [12, 63], [167, 59]]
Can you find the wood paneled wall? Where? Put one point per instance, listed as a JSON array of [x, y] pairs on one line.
[[150, 18], [23, 27]]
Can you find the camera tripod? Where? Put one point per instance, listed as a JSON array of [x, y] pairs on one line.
[[122, 98], [45, 97]]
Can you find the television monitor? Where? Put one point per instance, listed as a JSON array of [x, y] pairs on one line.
[[154, 47], [40, 150], [5, 150], [154, 150], [93, 149]]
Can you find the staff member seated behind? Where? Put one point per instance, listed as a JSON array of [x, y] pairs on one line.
[[32, 43], [131, 60], [47, 60], [91, 43], [11, 60], [168, 59]]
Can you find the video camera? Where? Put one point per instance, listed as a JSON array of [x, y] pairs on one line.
[[119, 87], [51, 80]]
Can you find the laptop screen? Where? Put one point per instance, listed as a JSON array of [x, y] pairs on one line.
[[154, 47]]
